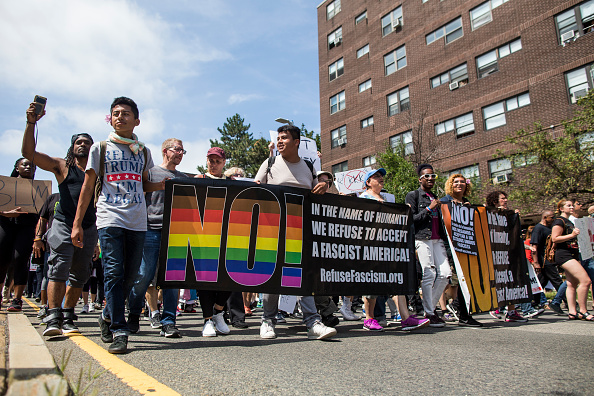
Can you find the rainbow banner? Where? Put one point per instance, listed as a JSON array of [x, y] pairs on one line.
[[242, 236]]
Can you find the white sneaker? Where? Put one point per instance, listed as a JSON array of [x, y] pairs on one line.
[[91, 308], [319, 332], [267, 330], [209, 329], [220, 325], [85, 309], [346, 312]]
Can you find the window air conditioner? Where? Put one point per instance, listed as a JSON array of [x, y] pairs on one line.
[[453, 85], [342, 141], [578, 94], [337, 41], [565, 37], [500, 179], [395, 24]]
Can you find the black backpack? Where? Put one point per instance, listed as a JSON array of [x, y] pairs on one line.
[[307, 162]]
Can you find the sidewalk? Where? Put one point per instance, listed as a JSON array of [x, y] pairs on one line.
[[28, 368]]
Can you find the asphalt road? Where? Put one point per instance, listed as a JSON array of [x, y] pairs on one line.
[[549, 355]]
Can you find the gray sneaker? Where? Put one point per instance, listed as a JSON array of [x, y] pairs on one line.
[[42, 312], [156, 321], [170, 331], [119, 345]]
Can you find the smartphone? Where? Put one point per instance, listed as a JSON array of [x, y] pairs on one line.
[[40, 102]]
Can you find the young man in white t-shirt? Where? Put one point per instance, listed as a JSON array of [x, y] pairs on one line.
[[290, 170], [121, 215]]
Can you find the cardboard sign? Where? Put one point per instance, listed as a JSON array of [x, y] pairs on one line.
[[585, 224], [308, 150], [351, 181], [28, 194]]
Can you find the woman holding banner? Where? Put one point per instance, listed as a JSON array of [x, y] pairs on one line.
[[374, 182], [17, 231], [567, 255], [457, 188]]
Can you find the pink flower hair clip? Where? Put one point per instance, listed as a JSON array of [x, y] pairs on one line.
[[108, 119], [467, 181]]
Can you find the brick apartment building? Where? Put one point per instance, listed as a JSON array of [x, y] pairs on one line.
[[449, 78]]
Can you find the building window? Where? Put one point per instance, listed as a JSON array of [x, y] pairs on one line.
[[500, 167], [494, 115], [391, 21], [341, 167], [361, 17], [470, 172], [369, 160], [487, 63], [482, 15], [367, 122], [398, 102], [335, 38], [395, 60], [405, 139], [575, 21], [579, 82], [337, 102], [458, 74], [332, 9], [463, 125], [338, 136], [525, 160], [362, 51], [451, 31], [336, 69], [365, 85]]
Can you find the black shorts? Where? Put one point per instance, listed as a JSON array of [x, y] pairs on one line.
[[564, 255]]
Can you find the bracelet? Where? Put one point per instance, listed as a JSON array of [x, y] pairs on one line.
[[36, 239], [30, 123]]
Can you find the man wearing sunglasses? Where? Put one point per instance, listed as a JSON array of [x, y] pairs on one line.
[[429, 242]]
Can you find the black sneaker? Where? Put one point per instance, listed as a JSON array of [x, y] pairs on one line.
[[170, 331], [470, 322], [133, 323], [16, 305], [106, 334], [556, 308], [240, 324], [119, 344], [53, 322], [331, 321], [68, 325], [156, 321]]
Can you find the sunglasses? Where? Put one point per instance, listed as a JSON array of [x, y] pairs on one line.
[[178, 150], [428, 176]]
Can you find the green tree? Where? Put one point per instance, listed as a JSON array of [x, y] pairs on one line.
[[240, 146], [560, 163], [401, 174]]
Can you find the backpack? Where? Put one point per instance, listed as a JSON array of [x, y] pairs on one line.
[[99, 181], [307, 162]]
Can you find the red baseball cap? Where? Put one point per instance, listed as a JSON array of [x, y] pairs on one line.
[[219, 152]]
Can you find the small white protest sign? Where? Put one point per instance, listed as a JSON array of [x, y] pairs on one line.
[[351, 181]]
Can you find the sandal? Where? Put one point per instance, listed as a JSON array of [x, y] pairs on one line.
[[573, 316], [585, 316]]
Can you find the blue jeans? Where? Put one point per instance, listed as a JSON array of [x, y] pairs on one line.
[[560, 296], [121, 250], [148, 269], [588, 265]]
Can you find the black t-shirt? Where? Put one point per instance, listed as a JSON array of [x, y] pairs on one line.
[[49, 209], [539, 238], [568, 227]]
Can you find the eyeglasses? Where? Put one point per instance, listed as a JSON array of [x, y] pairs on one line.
[[429, 176], [178, 150], [328, 182]]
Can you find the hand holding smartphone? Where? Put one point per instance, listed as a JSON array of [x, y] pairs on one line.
[[40, 102]]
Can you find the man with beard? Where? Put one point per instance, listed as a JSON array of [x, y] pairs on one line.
[[65, 262]]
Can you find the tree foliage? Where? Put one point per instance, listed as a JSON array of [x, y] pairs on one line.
[[242, 149], [401, 175], [563, 160]]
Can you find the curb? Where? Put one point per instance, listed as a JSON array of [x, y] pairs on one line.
[[31, 367]]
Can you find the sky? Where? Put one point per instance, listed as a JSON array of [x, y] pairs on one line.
[[188, 64]]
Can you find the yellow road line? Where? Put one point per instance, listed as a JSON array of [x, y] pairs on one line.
[[130, 375]]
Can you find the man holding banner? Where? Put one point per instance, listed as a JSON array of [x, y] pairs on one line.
[[429, 237], [290, 170]]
